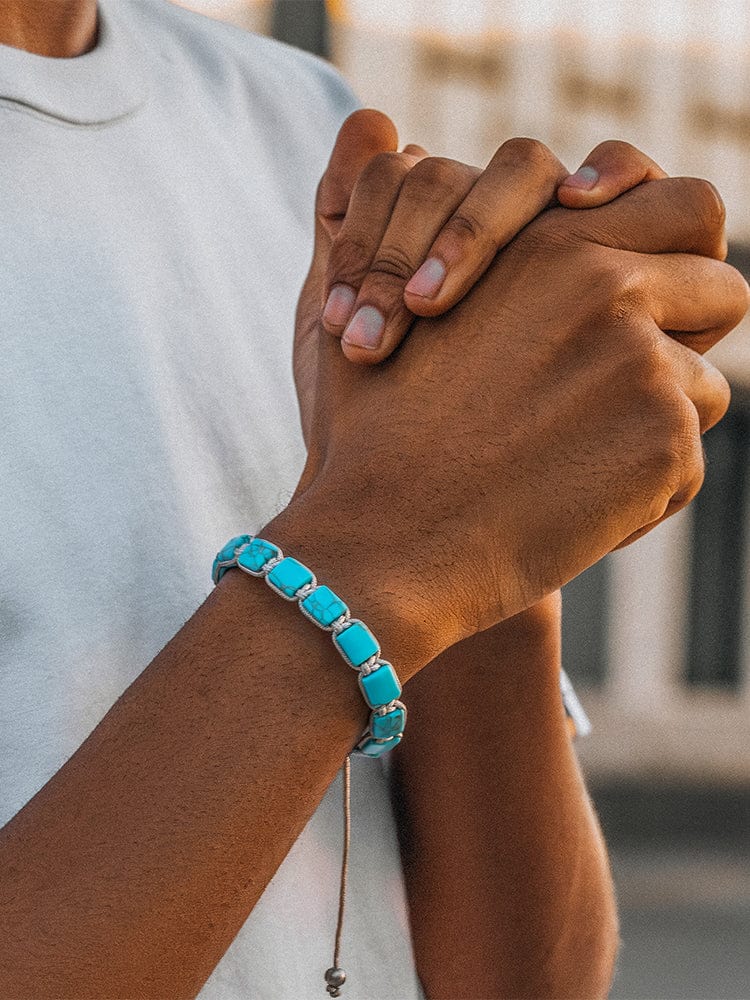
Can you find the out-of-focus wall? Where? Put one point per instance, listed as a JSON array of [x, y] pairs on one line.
[[671, 76]]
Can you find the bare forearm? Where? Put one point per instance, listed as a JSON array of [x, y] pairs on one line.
[[132, 870], [507, 873]]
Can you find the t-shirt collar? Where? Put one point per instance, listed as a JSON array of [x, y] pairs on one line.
[[100, 86]]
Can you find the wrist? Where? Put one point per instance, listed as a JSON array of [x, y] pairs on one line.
[[357, 563]]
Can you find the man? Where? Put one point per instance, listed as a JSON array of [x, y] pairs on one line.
[[157, 176]]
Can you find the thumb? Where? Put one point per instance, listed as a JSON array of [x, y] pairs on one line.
[[607, 172], [363, 135]]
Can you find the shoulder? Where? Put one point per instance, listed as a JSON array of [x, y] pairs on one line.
[[223, 55]]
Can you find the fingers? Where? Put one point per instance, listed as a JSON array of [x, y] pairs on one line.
[[703, 398], [518, 183], [701, 382], [447, 223], [608, 171], [369, 201], [697, 299], [671, 215], [371, 206], [379, 268], [363, 135]]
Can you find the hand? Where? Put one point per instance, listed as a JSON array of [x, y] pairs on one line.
[[581, 431], [366, 216], [412, 234], [417, 233], [394, 209]]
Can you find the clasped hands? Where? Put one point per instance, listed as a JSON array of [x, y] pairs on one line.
[[549, 390]]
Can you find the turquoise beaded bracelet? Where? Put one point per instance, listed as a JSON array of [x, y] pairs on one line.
[[357, 645]]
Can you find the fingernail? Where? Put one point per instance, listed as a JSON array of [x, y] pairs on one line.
[[428, 280], [339, 305], [366, 328], [585, 178]]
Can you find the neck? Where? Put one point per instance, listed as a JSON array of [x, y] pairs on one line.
[[61, 29]]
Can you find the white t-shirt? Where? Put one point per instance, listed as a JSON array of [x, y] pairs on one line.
[[156, 202]]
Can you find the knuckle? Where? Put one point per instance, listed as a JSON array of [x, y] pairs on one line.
[[628, 290], [696, 467], [652, 391], [674, 433], [658, 402], [722, 397], [463, 226], [684, 429], [668, 432], [693, 474], [621, 291], [438, 181], [349, 258], [434, 171], [617, 146], [658, 397], [698, 474], [737, 293], [385, 169], [530, 152], [718, 396], [392, 262]]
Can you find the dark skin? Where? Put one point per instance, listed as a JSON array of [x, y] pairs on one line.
[[499, 840], [507, 873], [131, 871], [61, 29]]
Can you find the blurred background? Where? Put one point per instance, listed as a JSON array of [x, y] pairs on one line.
[[655, 636]]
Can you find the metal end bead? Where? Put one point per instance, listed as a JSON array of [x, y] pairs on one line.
[[335, 979]]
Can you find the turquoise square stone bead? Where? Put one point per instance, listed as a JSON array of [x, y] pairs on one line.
[[357, 644], [374, 749], [323, 606], [227, 552], [256, 555], [288, 576], [383, 727], [226, 555], [381, 686]]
